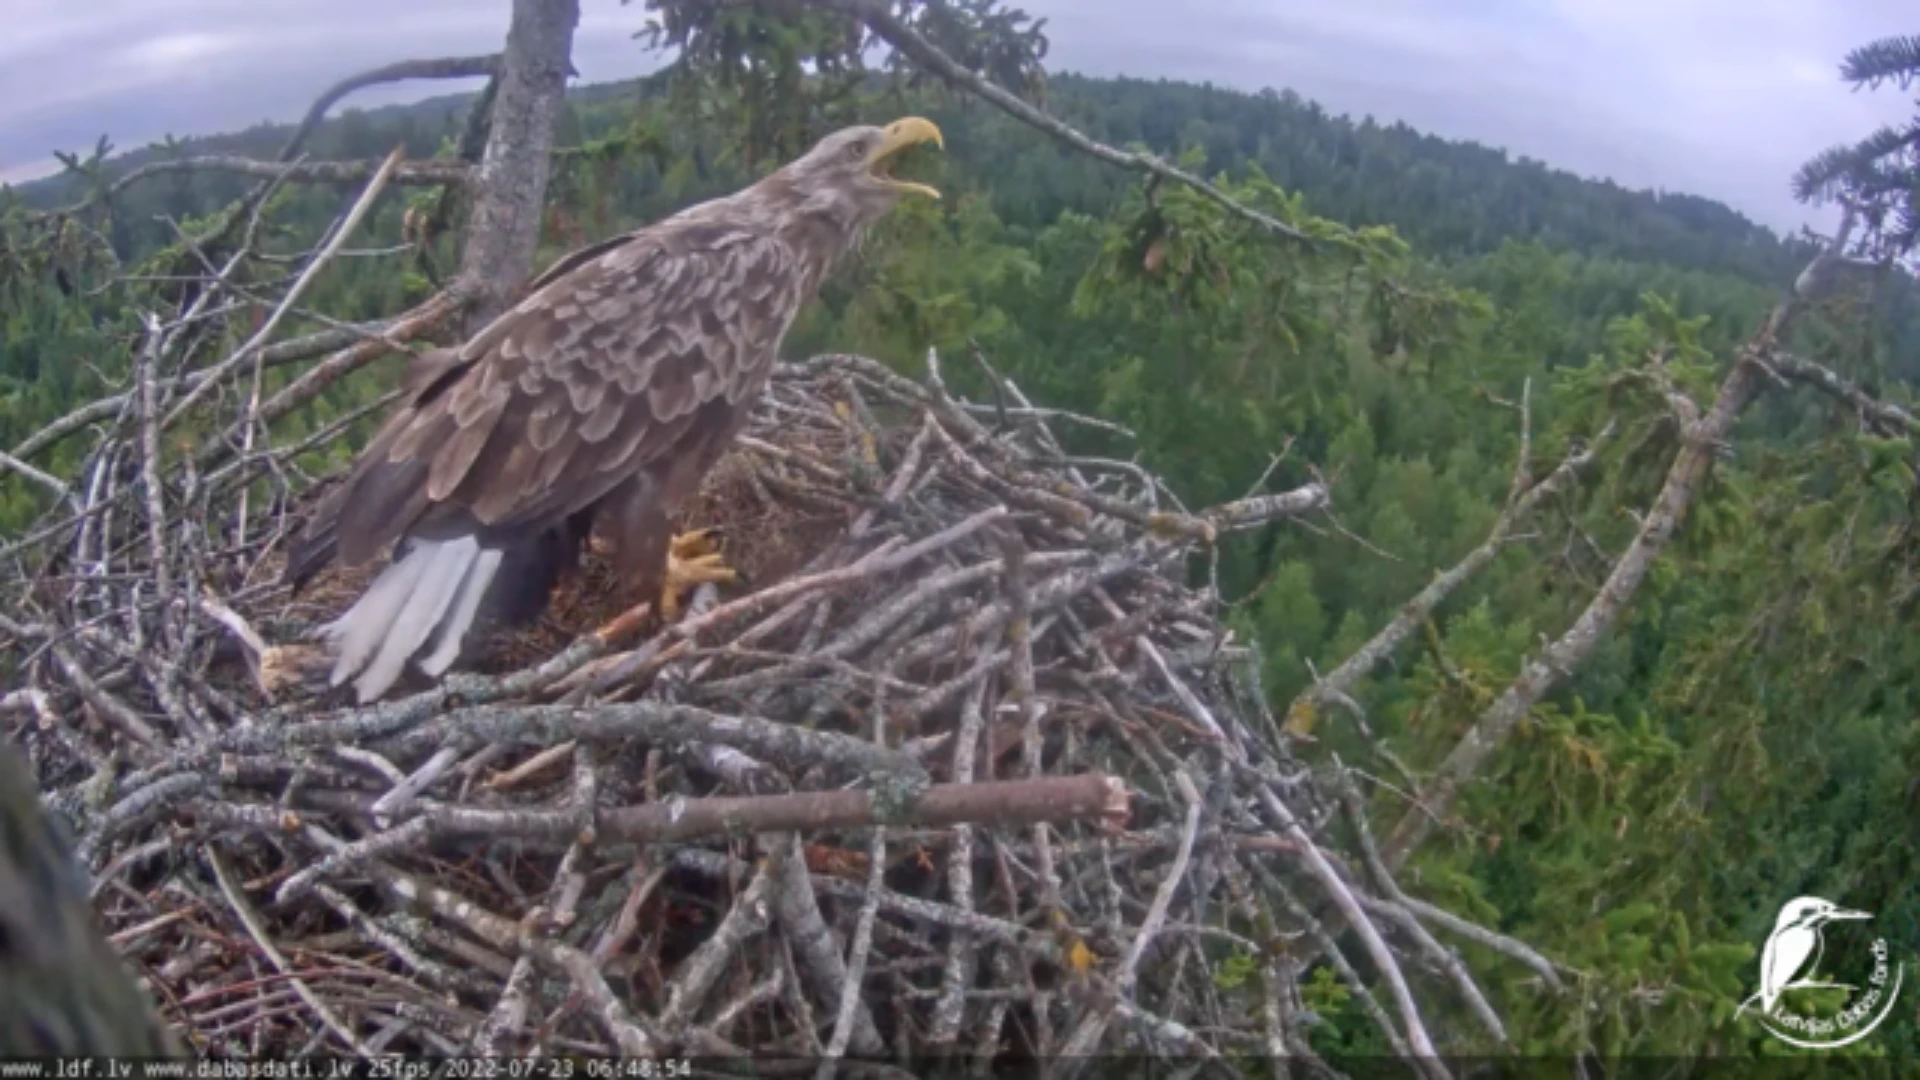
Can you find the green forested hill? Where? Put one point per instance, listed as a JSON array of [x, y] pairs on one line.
[[1747, 733], [1456, 203], [1448, 198]]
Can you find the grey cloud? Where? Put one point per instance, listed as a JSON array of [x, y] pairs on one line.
[[136, 71], [1722, 98]]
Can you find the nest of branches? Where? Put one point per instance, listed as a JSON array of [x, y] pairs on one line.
[[967, 766]]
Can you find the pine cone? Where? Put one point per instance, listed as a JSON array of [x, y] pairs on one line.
[[64, 991]]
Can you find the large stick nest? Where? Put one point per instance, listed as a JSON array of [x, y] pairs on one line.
[[611, 835]]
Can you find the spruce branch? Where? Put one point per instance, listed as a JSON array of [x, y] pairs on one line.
[[1894, 59]]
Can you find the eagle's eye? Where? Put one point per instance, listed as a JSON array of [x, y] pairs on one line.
[[856, 149]]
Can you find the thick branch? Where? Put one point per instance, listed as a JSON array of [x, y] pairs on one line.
[[1260, 509], [1563, 656], [1838, 386], [1089, 797], [448, 67], [1000, 804], [53, 484]]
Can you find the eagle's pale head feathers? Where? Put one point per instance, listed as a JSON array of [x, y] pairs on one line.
[[846, 177]]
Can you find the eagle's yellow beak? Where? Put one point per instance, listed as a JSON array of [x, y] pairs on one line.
[[910, 131]]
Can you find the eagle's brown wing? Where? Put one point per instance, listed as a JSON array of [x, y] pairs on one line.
[[631, 358]]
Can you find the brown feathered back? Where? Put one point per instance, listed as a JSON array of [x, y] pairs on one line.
[[635, 359]]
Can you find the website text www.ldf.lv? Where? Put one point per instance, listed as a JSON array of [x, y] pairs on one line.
[[162, 1069], [95, 1069]]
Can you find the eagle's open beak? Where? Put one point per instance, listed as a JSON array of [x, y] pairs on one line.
[[911, 131]]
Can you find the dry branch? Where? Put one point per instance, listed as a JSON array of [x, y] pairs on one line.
[[1337, 686], [449, 67], [880, 19], [291, 351], [1701, 439], [1884, 414]]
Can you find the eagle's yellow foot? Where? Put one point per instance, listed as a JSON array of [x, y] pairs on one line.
[[693, 559]]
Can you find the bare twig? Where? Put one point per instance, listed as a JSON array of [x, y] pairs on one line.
[[292, 295]]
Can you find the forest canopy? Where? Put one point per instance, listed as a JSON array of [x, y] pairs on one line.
[[1608, 620]]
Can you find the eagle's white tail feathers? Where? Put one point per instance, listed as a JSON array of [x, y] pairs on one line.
[[446, 568], [359, 631], [393, 619], [472, 591]]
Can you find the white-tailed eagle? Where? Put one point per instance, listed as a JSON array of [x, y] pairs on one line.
[[595, 406]]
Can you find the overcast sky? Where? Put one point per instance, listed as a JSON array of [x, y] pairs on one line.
[[1722, 98]]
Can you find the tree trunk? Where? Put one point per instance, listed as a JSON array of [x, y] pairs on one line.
[[510, 189]]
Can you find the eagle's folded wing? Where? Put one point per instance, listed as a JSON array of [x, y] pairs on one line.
[[607, 371]]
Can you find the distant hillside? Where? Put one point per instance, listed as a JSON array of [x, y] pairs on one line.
[[1449, 198]]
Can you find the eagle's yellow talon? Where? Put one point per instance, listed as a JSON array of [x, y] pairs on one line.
[[692, 560], [689, 545]]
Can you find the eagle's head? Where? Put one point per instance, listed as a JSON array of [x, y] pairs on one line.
[[847, 176]]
